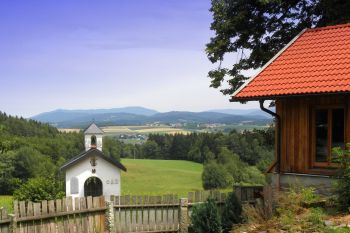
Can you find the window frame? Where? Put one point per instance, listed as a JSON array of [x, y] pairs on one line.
[[329, 108]]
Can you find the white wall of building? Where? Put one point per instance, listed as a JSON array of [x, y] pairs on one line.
[[105, 171]]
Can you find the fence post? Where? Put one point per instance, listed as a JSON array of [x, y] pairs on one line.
[[110, 215], [183, 215], [13, 223]]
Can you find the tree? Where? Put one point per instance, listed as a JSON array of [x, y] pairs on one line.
[[205, 218], [215, 176], [111, 148], [151, 150], [232, 212], [257, 29]]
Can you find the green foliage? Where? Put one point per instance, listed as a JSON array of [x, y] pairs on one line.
[[257, 30], [250, 146], [308, 195], [205, 218], [30, 149], [342, 156], [112, 148], [38, 189], [316, 216], [229, 169], [150, 150], [338, 230], [232, 212], [215, 177]]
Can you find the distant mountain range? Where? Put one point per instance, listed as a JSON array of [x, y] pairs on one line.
[[139, 116]]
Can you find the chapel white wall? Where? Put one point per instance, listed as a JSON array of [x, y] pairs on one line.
[[105, 171]]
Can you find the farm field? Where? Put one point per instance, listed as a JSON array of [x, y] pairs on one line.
[[164, 129], [153, 177], [132, 129]]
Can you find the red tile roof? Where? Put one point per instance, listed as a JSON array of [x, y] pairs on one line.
[[316, 61]]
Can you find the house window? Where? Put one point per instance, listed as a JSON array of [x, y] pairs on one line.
[[329, 131]]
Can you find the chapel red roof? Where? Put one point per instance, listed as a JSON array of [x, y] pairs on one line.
[[316, 61]]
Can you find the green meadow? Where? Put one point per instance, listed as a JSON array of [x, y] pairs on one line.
[[156, 177], [6, 202], [152, 177]]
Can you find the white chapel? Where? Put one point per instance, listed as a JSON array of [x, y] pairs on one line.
[[91, 173]]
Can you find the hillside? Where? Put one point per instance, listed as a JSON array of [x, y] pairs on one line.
[[30, 149], [147, 177], [61, 115], [142, 116]]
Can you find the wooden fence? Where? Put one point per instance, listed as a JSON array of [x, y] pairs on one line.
[[146, 213], [121, 214], [84, 215]]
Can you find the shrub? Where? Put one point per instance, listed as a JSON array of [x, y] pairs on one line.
[[232, 212], [215, 176], [343, 184], [38, 189], [205, 218], [316, 216]]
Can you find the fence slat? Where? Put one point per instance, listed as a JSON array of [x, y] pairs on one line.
[[91, 218], [85, 219], [133, 214]]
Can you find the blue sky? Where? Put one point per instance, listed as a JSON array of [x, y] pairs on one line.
[[103, 54]]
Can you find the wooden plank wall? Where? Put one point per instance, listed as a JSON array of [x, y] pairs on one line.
[[81, 215], [146, 213], [296, 141]]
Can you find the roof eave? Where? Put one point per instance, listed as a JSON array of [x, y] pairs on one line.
[[100, 154], [274, 97]]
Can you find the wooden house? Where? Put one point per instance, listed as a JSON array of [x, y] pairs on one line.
[[309, 80]]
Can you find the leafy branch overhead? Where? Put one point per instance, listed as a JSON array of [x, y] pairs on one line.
[[255, 30]]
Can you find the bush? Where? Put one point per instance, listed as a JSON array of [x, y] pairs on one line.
[[232, 212], [205, 218], [38, 189], [215, 176], [343, 184]]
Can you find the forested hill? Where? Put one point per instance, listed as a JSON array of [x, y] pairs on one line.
[[31, 149], [18, 126]]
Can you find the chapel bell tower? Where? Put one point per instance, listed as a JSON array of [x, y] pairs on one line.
[[93, 137]]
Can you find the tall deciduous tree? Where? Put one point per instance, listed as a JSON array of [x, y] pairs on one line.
[[257, 29]]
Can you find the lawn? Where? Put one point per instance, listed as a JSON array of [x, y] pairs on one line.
[[6, 202], [153, 177]]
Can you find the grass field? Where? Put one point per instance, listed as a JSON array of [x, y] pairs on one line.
[[6, 202], [152, 177], [161, 177]]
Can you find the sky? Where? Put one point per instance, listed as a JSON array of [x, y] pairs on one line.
[[86, 54]]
